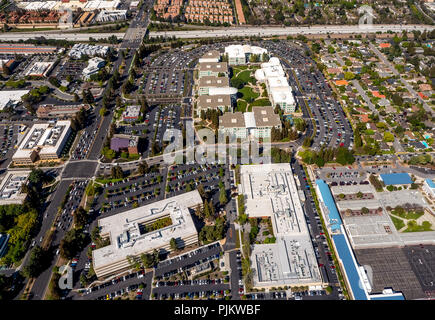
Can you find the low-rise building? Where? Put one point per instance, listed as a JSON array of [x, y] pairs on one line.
[[211, 56], [94, 65], [215, 69], [111, 15], [11, 98], [45, 111], [43, 141], [207, 82], [131, 113], [429, 187], [278, 88], [270, 192], [134, 232], [11, 187], [240, 54], [40, 69], [221, 102], [258, 123], [124, 142], [81, 49]]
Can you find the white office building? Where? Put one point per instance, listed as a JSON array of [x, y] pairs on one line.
[[240, 54], [278, 88]]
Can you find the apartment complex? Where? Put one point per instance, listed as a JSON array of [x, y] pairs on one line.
[[278, 88], [168, 9], [44, 142], [258, 123], [214, 11], [132, 233]]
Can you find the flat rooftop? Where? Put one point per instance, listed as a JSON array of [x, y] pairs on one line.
[[270, 191], [396, 178], [124, 229], [48, 138], [409, 269], [10, 187]]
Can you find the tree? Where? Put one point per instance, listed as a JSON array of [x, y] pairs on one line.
[[37, 261], [143, 168], [117, 172], [81, 217], [223, 196], [173, 244], [103, 111]]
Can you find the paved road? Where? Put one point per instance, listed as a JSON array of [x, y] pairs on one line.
[[284, 31], [146, 280], [41, 282], [17, 36]]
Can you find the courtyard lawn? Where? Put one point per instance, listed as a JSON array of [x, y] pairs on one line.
[[413, 226], [409, 215], [248, 94], [398, 223], [261, 103], [241, 105]]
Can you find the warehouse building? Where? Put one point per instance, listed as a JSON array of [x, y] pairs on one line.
[[270, 192], [131, 233], [44, 142]]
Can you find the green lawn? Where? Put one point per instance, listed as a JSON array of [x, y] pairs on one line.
[[245, 76], [414, 227], [261, 103], [241, 105], [248, 93], [407, 215], [398, 223]]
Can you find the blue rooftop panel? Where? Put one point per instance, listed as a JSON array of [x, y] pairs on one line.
[[396, 178], [345, 253], [388, 297], [334, 216], [430, 183]]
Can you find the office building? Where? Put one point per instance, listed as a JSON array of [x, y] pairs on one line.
[[132, 233]]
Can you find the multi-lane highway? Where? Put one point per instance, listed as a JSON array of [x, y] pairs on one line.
[[285, 31]]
